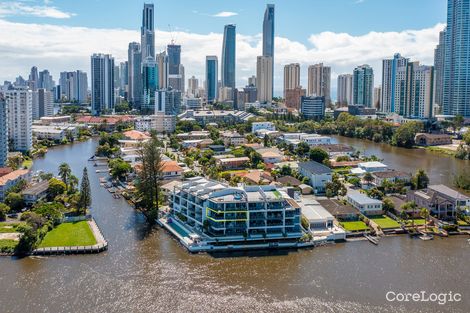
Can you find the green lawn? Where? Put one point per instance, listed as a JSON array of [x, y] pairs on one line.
[[418, 222], [8, 227], [27, 164], [354, 226], [69, 234], [386, 222], [7, 245]]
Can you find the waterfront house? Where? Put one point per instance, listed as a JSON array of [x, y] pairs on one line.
[[339, 210], [317, 173], [228, 215], [439, 199], [423, 139], [336, 150], [364, 204], [369, 167], [11, 179], [391, 176], [35, 193], [233, 163]]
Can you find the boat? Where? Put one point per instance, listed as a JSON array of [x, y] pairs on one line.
[[426, 237]]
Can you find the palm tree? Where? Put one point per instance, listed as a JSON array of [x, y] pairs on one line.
[[65, 172], [368, 178], [424, 214]]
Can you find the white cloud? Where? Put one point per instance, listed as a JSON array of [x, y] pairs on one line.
[[15, 8], [60, 48], [225, 14]]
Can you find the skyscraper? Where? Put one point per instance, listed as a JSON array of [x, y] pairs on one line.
[[319, 81], [147, 32], [211, 78], [3, 132], [150, 85], [193, 87], [363, 86], [439, 53], [168, 101], [344, 89], [20, 118], [264, 78], [33, 78], [456, 91], [175, 77], [162, 64], [252, 81], [228, 56], [102, 84], [135, 75], [378, 98], [45, 80], [421, 92], [268, 41], [74, 86], [124, 71], [291, 77], [43, 103], [393, 70]]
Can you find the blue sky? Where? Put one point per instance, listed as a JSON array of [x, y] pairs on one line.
[[341, 33], [295, 19]]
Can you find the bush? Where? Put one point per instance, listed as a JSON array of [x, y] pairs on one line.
[[450, 227]]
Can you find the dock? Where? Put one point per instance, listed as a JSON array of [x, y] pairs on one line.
[[374, 240]]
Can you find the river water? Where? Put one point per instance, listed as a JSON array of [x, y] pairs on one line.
[[146, 270]]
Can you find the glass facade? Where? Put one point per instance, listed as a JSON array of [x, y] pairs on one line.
[[228, 56], [456, 91], [211, 78]]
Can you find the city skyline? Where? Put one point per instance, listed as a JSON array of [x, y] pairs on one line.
[[341, 51]]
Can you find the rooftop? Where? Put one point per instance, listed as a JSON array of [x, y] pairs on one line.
[[337, 208], [315, 167], [36, 188], [12, 176], [136, 135], [448, 191], [391, 174], [372, 164], [362, 198]]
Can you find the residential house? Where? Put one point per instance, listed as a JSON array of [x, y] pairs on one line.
[[317, 173], [391, 176], [11, 179], [439, 199], [35, 193], [171, 170], [365, 204], [233, 163]]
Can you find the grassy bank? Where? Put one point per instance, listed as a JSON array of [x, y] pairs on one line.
[[69, 234]]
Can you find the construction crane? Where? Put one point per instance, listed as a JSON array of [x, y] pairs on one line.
[[173, 40]]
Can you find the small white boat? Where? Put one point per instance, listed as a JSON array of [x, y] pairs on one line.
[[426, 237]]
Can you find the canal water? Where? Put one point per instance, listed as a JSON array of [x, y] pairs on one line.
[[146, 270], [440, 168]]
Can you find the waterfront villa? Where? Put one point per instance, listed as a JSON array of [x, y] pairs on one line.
[[391, 176], [219, 213], [369, 167], [439, 199], [35, 192], [363, 203]]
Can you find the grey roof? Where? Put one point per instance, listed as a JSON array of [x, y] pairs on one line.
[[448, 191], [315, 167]]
